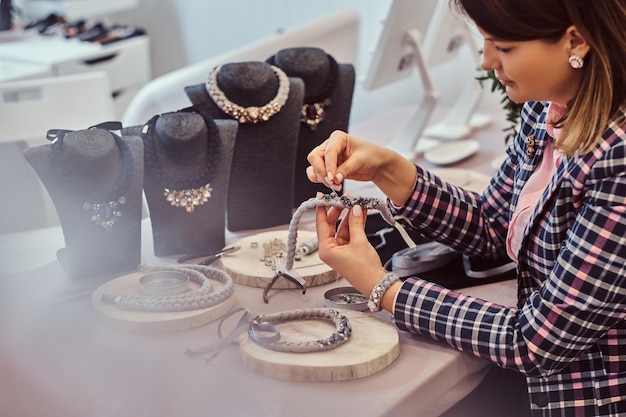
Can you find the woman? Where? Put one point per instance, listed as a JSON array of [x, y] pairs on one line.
[[557, 207]]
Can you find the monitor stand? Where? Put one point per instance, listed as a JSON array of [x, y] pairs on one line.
[[460, 121], [409, 142]]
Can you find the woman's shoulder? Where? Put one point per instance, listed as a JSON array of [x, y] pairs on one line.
[[617, 124], [609, 156]]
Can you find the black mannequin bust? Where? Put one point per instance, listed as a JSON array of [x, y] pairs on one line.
[[261, 189], [185, 150], [94, 178], [329, 88]]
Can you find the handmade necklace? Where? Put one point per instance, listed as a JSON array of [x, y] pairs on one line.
[[314, 108], [263, 330], [251, 114], [190, 190], [263, 324], [203, 297], [325, 200], [104, 205], [330, 200]]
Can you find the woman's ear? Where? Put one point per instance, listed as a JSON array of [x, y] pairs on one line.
[[577, 44]]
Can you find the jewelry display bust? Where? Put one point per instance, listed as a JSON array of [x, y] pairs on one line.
[[94, 178], [187, 159], [261, 189], [329, 88]]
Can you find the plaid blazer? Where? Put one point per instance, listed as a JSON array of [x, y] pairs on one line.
[[567, 334]]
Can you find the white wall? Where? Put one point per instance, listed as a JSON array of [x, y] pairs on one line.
[[188, 31], [184, 32]]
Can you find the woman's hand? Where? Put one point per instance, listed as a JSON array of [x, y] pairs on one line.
[[342, 157], [346, 249]]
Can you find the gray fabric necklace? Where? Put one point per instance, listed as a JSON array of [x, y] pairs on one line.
[[263, 330], [202, 297], [330, 200]]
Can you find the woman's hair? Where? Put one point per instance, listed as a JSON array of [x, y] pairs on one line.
[[602, 90]]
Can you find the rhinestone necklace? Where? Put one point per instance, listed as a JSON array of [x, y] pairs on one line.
[[314, 108], [104, 205], [193, 189], [251, 114]]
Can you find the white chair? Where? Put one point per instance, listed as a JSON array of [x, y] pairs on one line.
[[28, 108]]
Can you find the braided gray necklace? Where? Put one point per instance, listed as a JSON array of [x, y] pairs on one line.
[[202, 297], [263, 330], [330, 200], [263, 324]]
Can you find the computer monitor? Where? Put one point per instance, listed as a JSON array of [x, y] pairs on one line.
[[423, 35]]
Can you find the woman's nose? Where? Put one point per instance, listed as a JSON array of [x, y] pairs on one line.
[[488, 61]]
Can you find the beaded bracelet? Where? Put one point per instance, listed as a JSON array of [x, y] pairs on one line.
[[202, 297], [262, 324], [330, 200], [376, 296]]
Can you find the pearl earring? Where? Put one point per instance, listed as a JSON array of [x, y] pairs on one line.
[[576, 62]]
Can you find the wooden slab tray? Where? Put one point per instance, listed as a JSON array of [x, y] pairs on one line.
[[246, 267], [149, 321], [373, 346]]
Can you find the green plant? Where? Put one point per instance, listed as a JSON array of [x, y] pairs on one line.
[[511, 108]]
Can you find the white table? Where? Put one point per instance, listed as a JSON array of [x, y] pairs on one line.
[[57, 358]]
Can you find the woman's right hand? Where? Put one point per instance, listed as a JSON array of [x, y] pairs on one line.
[[343, 156]]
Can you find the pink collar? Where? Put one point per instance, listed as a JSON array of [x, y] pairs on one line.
[[555, 112]]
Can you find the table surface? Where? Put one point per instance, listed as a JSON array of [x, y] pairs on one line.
[[58, 358]]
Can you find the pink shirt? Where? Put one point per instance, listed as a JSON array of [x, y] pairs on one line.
[[534, 188]]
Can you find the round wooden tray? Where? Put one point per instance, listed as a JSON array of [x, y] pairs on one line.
[[373, 346], [246, 267], [149, 321]]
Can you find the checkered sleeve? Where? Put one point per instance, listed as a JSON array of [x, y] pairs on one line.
[[463, 322], [455, 216]]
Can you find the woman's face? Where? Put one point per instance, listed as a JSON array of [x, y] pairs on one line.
[[535, 70]]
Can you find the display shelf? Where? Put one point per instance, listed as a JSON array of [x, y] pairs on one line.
[[76, 9], [127, 62]]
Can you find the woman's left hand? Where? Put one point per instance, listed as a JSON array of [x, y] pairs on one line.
[[346, 248]]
